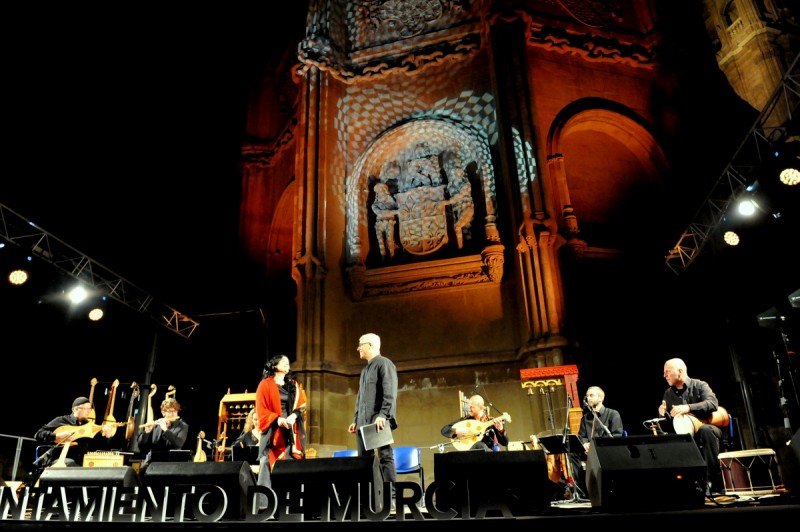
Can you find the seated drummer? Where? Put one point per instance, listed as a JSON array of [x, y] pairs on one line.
[[494, 435]]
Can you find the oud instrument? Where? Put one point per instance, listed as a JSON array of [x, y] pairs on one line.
[[475, 430], [82, 431]]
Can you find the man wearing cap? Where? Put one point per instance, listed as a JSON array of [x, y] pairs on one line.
[[75, 427]]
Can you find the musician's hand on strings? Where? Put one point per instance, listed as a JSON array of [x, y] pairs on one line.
[[63, 436], [498, 423]]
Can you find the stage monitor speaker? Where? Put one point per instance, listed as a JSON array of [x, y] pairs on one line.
[[789, 461], [646, 473], [525, 487], [317, 476], [121, 477], [233, 477]]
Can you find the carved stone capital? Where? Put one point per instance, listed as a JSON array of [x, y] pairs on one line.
[[493, 261], [356, 275]]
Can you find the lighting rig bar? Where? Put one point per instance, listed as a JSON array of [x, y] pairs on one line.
[[18, 231], [740, 171]]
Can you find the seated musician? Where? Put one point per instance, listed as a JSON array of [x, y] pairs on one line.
[[459, 432], [250, 434], [606, 424], [65, 429], [165, 434]]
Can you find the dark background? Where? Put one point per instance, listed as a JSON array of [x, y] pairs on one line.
[[123, 135]]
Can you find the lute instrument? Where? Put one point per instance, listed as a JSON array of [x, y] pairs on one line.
[[109, 417], [130, 430], [476, 429], [92, 415], [200, 454]]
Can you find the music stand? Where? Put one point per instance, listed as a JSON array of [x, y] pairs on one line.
[[566, 444], [557, 445]]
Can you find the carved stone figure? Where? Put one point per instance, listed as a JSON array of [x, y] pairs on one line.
[[460, 192], [385, 209]]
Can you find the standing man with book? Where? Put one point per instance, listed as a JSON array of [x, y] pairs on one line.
[[376, 402]]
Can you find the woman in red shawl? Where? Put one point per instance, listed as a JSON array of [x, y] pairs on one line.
[[280, 404]]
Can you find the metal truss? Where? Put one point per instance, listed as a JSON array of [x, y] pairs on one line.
[[33, 240], [741, 171]]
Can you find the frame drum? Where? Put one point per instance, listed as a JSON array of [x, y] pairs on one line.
[[751, 472], [686, 424]]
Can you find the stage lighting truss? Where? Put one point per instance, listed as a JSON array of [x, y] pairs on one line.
[[33, 240], [753, 156]]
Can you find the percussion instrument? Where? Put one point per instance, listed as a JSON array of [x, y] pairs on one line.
[[686, 424], [752, 472]]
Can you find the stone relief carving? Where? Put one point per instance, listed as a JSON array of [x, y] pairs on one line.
[[406, 17], [412, 204], [420, 204]]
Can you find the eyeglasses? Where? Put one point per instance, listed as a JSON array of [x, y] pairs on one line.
[[363, 344], [84, 408]]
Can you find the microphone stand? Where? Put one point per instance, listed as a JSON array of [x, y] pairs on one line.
[[571, 484], [597, 420]]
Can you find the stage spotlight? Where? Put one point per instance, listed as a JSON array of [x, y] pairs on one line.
[[771, 319], [731, 238], [794, 299], [18, 277], [77, 294], [788, 161], [747, 207], [96, 314]]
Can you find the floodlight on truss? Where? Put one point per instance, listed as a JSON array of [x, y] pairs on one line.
[[740, 172], [18, 231]]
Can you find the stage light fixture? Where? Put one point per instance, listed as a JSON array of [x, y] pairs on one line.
[[18, 277], [96, 314], [794, 299], [731, 238], [747, 207], [790, 176], [77, 294]]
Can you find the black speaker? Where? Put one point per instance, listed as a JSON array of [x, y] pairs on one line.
[[121, 477], [516, 479], [234, 478], [646, 473], [789, 461], [318, 476]]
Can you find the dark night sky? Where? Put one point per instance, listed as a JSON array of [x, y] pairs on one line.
[[122, 140]]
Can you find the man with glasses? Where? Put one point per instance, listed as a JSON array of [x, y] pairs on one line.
[[165, 434], [76, 431], [376, 401]]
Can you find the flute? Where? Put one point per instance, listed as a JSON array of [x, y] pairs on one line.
[[151, 423]]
